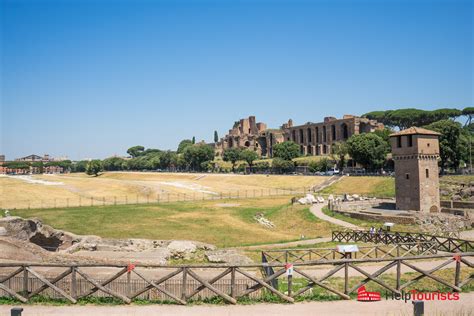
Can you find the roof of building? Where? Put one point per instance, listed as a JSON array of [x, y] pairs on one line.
[[415, 130]]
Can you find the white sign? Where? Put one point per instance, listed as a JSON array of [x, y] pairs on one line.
[[347, 248], [388, 224], [289, 269]]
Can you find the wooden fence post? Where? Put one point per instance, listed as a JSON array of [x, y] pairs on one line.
[[346, 278], [184, 284], [129, 283], [25, 282], [457, 271], [290, 284], [232, 282], [399, 274], [73, 283]]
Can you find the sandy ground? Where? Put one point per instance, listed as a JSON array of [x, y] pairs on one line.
[[465, 306]]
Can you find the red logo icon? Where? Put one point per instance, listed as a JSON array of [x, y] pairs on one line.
[[364, 296]]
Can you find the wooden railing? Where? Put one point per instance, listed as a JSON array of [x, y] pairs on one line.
[[447, 244], [377, 251], [205, 278]]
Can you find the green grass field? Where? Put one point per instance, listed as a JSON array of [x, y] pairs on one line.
[[368, 186], [223, 223]]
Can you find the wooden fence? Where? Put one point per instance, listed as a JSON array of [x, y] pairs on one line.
[[448, 244], [228, 282], [377, 251]]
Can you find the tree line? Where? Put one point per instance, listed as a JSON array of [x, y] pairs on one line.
[[369, 150]]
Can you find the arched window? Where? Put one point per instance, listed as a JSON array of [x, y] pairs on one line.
[[344, 131]]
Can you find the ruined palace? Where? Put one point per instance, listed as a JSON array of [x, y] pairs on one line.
[[313, 138]]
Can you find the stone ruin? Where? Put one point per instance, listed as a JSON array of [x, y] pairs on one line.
[[49, 244]]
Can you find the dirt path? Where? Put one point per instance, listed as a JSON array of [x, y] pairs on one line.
[[464, 306], [317, 210]]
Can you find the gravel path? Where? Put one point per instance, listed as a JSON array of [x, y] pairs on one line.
[[317, 210], [464, 306]]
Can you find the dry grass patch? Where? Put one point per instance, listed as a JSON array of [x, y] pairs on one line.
[[79, 189]]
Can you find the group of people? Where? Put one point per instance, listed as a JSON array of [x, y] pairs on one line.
[[374, 231]]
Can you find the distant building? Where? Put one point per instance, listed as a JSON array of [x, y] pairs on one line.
[[2, 158], [34, 158], [31, 166], [314, 139], [415, 152]]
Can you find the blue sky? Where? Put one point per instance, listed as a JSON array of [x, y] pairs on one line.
[[92, 78]]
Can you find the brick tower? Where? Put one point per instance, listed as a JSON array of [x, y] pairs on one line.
[[415, 152]]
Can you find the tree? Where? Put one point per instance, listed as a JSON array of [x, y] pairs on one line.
[[113, 164], [281, 165], [183, 144], [151, 151], [79, 166], [135, 151], [249, 156], [232, 155], [168, 160], [94, 167], [368, 149], [195, 155], [216, 137], [321, 165], [153, 162], [286, 150], [450, 143], [339, 151], [194, 140], [16, 165], [468, 112], [405, 118]]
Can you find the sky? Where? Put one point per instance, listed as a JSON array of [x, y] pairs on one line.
[[89, 79]]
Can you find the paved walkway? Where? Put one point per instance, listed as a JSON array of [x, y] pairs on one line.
[[317, 210], [464, 306]]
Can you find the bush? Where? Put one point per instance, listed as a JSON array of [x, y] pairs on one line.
[[282, 166]]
